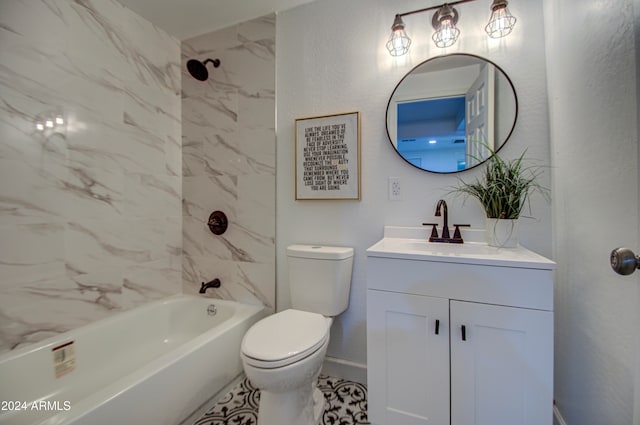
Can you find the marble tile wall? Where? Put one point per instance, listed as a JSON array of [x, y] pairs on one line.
[[228, 164], [90, 210]]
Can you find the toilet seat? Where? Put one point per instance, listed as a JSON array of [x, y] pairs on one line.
[[284, 338]]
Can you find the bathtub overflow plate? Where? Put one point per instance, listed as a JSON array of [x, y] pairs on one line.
[[212, 310]]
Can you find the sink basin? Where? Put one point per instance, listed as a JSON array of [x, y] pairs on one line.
[[430, 248], [412, 244]]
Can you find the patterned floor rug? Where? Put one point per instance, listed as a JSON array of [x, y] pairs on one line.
[[345, 404]]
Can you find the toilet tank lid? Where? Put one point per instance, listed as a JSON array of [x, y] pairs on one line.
[[320, 252]]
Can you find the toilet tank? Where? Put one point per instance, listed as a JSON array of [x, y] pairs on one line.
[[320, 278]]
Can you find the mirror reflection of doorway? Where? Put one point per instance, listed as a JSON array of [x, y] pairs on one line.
[[431, 132], [481, 102]]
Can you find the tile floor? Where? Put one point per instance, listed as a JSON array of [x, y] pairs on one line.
[[345, 404]]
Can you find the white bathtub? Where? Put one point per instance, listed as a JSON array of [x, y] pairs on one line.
[[155, 364]]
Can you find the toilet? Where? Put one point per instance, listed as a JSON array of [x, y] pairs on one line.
[[282, 354]]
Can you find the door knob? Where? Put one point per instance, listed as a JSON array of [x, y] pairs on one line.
[[624, 261]]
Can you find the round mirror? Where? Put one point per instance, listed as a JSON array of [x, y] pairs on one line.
[[445, 114]]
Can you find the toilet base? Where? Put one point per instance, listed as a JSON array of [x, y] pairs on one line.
[[289, 394], [299, 407], [318, 405]]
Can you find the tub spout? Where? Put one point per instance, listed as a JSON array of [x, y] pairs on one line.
[[215, 283]]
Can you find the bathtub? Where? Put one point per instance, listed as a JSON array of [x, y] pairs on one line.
[[155, 364]]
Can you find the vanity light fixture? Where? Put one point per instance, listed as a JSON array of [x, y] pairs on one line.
[[502, 21], [399, 42], [444, 22]]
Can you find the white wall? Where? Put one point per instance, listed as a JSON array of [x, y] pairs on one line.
[[90, 216], [591, 60], [330, 59]]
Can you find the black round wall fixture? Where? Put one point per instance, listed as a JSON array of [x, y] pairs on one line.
[[198, 70], [218, 222]]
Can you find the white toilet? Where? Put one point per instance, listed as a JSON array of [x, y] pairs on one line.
[[283, 353]]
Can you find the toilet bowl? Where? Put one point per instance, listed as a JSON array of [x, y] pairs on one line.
[[282, 356]]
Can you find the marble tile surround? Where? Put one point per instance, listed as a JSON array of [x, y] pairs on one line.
[[90, 214], [228, 136]]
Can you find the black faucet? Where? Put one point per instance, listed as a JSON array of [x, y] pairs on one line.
[[215, 283], [445, 224], [445, 237]]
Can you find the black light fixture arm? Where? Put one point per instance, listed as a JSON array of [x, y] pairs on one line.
[[426, 9]]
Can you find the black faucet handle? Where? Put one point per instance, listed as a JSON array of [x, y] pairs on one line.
[[434, 231], [457, 236]]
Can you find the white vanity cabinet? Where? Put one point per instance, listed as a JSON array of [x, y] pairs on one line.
[[407, 362], [457, 338], [501, 373]]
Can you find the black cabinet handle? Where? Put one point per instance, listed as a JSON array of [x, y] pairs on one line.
[[463, 329], [437, 327]]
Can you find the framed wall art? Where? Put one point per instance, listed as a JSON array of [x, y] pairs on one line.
[[327, 157]]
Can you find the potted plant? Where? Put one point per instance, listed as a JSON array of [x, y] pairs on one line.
[[503, 190]]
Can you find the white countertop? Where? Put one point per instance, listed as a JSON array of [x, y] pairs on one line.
[[411, 243]]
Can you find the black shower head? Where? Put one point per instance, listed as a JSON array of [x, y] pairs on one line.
[[198, 70]]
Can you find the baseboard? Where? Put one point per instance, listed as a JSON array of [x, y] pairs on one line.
[[557, 417], [345, 369]]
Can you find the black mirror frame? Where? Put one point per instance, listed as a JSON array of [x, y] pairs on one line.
[[513, 126]]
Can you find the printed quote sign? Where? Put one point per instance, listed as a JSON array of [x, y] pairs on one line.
[[328, 156]]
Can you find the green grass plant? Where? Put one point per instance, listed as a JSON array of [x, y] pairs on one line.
[[505, 186]]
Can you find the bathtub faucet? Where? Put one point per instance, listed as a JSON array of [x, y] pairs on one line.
[[215, 283]]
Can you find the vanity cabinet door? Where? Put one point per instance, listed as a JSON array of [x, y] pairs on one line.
[[408, 359], [502, 371]]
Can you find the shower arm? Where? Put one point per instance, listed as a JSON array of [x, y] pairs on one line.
[[215, 62]]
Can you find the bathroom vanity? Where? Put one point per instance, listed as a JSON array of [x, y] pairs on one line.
[[458, 334]]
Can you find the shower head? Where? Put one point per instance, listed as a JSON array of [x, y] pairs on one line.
[[198, 70]]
